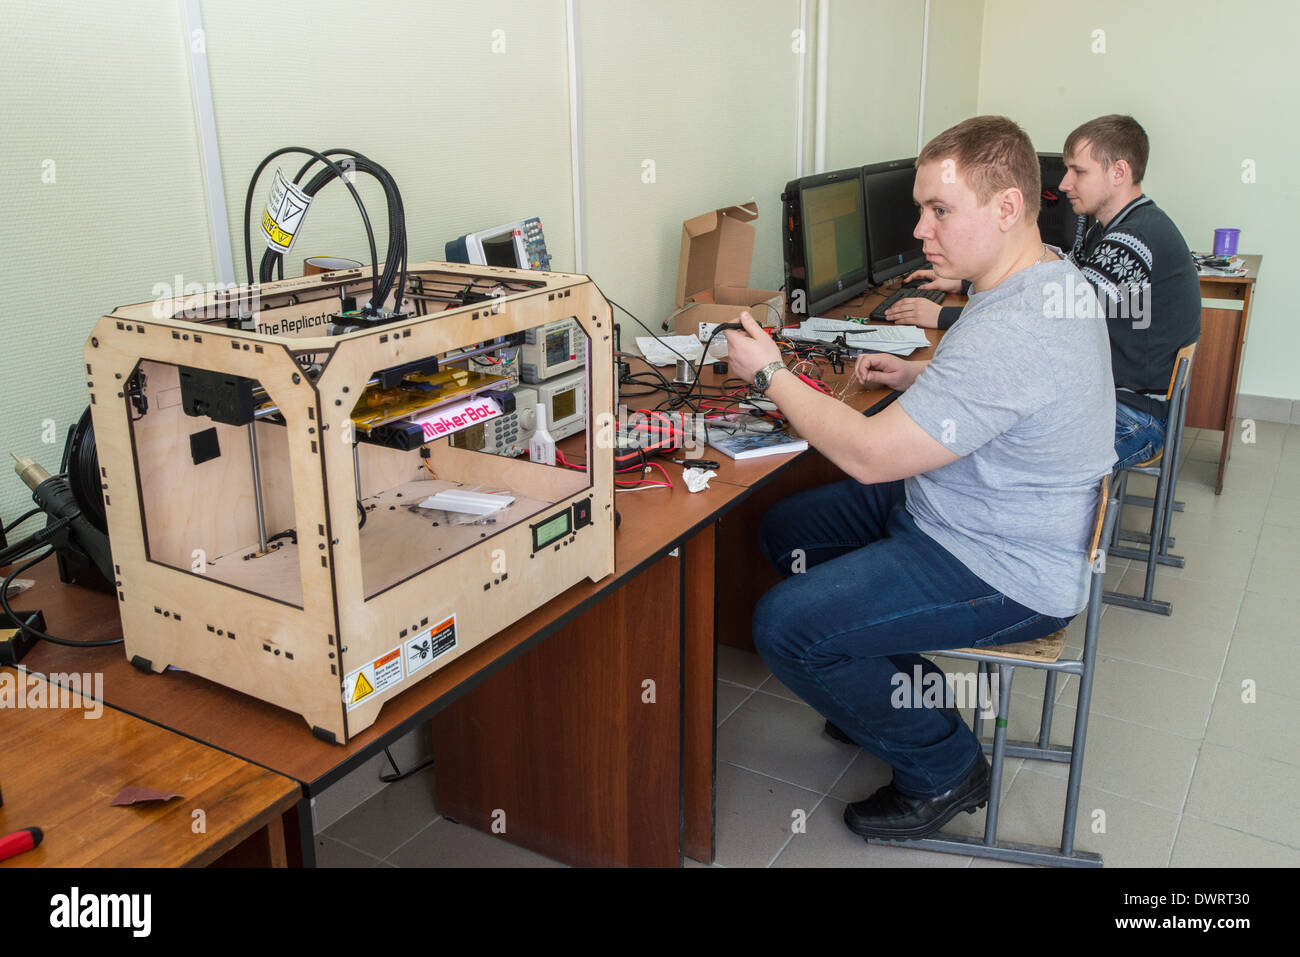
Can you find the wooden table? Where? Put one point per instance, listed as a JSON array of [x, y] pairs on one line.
[[1212, 395], [583, 770], [61, 766], [586, 729]]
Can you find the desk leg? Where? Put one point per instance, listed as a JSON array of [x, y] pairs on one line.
[[700, 715], [564, 751], [299, 839]]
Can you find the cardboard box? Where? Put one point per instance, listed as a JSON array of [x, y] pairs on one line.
[[717, 251]]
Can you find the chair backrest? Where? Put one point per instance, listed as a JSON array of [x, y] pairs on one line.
[[1102, 500], [1187, 352]]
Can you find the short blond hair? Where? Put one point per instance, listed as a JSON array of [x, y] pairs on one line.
[[994, 154]]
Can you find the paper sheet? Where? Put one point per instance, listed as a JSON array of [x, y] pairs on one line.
[[657, 351]]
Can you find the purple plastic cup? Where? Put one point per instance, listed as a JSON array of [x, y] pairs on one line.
[[1225, 242]]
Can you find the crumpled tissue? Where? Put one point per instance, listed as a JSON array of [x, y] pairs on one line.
[[697, 480]]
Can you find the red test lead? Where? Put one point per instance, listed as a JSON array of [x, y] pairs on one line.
[[19, 842]]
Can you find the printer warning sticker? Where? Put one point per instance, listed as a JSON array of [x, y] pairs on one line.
[[429, 644], [372, 678], [283, 214]]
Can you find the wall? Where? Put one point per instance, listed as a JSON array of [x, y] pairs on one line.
[[1212, 86], [467, 105], [102, 197]]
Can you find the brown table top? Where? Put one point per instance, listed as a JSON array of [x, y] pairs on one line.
[[653, 522], [61, 766], [751, 472]]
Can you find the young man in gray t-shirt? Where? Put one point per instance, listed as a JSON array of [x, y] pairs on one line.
[[966, 518]]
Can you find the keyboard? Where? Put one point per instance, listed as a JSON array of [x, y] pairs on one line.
[[934, 295]]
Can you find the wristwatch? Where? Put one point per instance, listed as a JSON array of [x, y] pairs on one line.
[[763, 377]]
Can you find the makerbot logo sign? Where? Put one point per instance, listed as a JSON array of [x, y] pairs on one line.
[[458, 416]]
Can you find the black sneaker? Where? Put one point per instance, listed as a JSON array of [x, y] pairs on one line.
[[893, 816], [837, 734]]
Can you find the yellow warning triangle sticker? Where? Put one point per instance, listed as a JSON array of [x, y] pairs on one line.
[[362, 689]]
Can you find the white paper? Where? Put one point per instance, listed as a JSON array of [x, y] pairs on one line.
[[657, 351]]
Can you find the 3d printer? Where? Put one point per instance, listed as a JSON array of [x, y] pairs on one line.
[[266, 483]]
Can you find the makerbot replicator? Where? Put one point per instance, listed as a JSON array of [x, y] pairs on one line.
[[288, 513]]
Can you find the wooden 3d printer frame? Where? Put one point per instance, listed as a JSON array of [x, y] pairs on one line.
[[238, 550]]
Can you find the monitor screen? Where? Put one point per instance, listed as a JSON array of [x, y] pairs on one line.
[[499, 250], [891, 218], [834, 237]]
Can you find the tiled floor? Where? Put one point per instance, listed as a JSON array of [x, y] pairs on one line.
[[1193, 755]]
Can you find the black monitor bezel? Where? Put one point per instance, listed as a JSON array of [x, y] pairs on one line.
[[888, 270], [850, 284]]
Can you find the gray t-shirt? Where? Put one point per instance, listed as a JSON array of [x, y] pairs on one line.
[[1022, 390]]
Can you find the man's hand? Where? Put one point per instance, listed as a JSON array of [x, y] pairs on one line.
[[933, 281], [750, 350], [914, 311], [883, 369]]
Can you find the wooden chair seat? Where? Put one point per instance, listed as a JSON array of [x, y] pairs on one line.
[[1048, 648], [1151, 462]]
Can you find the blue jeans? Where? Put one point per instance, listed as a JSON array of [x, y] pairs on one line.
[[865, 591], [1138, 435]]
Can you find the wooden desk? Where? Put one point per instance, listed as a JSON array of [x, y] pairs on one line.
[[561, 744], [572, 714], [61, 766], [740, 577], [1212, 395]]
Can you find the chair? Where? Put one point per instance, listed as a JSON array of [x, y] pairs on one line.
[[1043, 654], [1165, 468]]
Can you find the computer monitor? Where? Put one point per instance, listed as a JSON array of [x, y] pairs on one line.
[[825, 240], [891, 219], [1058, 223]]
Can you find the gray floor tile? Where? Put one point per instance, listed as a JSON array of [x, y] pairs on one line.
[[390, 818], [784, 740], [730, 698], [774, 686], [829, 843], [1206, 609], [1262, 654], [1264, 725], [444, 844], [344, 795], [741, 667], [756, 816], [1178, 646], [1145, 764], [1246, 793], [1276, 561], [332, 853], [1204, 844], [1150, 696], [1191, 599], [1236, 478], [866, 775], [1283, 511], [1135, 835]]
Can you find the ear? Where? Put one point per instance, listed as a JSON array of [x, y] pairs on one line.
[[1011, 207], [1120, 171]]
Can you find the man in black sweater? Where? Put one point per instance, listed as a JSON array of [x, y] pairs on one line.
[[1139, 266]]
